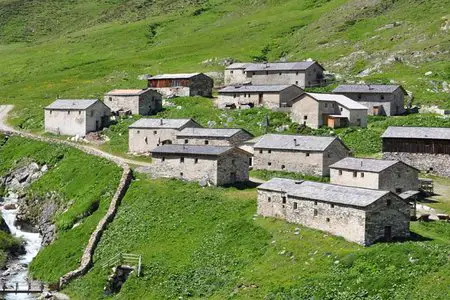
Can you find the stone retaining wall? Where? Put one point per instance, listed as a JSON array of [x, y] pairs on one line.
[[438, 164], [86, 259]]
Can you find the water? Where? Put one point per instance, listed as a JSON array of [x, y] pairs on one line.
[[32, 246]]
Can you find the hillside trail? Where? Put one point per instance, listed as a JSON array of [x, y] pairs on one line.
[[5, 109]]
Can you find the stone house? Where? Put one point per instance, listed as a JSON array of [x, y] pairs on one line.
[[136, 102], [182, 85], [378, 174], [425, 148], [316, 110], [76, 116], [385, 100], [303, 73], [216, 165], [270, 96], [235, 74], [298, 153], [213, 136], [146, 134], [364, 216]]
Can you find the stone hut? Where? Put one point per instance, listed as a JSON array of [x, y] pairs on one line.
[[302, 73], [270, 96], [384, 100], [425, 148], [298, 153], [359, 215], [378, 174], [76, 116], [235, 74], [216, 165], [316, 110], [146, 134], [136, 102], [182, 85], [213, 136]]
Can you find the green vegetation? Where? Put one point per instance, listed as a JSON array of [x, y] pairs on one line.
[[8, 244], [206, 243], [267, 175], [81, 49], [84, 186]]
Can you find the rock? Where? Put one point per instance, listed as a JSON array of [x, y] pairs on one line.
[[445, 87], [211, 124], [10, 206], [44, 168], [179, 107], [3, 226], [230, 119], [429, 73]]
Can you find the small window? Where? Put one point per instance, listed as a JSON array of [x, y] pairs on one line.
[[163, 159], [332, 104], [296, 73], [231, 72], [388, 202], [269, 199], [283, 167], [283, 199], [260, 151], [155, 132], [340, 172], [92, 113], [341, 109], [382, 97], [206, 142], [181, 159], [296, 82], [79, 112], [398, 190], [359, 96], [305, 117], [269, 163], [267, 72], [138, 131], [269, 151], [362, 174], [332, 205], [355, 174], [51, 111], [328, 219], [68, 112], [195, 160], [280, 73], [326, 104], [186, 141], [110, 98], [181, 174], [146, 140], [295, 205], [307, 153], [234, 96], [315, 202], [315, 212]]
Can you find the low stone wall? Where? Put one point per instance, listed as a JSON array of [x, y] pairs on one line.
[[438, 164], [86, 259]]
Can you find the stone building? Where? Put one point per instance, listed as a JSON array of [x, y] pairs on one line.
[[298, 153], [359, 215], [270, 96], [216, 165], [302, 73], [316, 110], [136, 102], [235, 74], [385, 100], [426, 148], [76, 116], [378, 174], [182, 85], [146, 134], [213, 136]]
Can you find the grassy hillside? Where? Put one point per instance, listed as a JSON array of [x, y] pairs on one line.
[[206, 243], [83, 192], [84, 48]]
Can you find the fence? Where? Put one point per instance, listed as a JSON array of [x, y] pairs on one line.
[[133, 260]]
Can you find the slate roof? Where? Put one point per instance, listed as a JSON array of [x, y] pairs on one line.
[[367, 88], [434, 133], [238, 66], [160, 123], [72, 104], [210, 132], [287, 66], [174, 76], [254, 88], [192, 149], [301, 143], [363, 164], [340, 99], [325, 192], [127, 92]]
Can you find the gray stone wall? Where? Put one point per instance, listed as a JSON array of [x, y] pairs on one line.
[[392, 103], [399, 178], [438, 164], [97, 117], [144, 104], [367, 180], [235, 140], [334, 153], [232, 168], [201, 85], [380, 215], [236, 76], [179, 91]]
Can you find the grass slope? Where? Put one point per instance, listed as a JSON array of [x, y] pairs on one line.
[[84, 185], [206, 243], [81, 49]]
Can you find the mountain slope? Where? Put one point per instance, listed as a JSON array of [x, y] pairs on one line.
[[83, 48]]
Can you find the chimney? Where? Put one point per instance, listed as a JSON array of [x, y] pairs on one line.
[[370, 87], [295, 142], [361, 163], [161, 121]]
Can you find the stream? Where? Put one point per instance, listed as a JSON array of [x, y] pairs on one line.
[[18, 268]]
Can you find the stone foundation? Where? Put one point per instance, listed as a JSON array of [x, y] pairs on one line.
[[438, 164]]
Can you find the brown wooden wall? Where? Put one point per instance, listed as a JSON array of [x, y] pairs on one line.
[[162, 83], [416, 145]]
